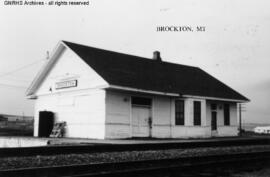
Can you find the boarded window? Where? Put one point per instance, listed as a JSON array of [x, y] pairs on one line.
[[179, 112], [226, 114], [141, 101], [197, 112]]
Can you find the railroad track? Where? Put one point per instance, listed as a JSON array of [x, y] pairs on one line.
[[143, 167], [95, 148]]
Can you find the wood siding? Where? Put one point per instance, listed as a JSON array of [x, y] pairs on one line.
[[82, 107]]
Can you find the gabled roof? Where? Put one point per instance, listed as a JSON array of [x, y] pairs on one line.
[[141, 73]]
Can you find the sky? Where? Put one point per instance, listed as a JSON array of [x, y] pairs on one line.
[[235, 47]]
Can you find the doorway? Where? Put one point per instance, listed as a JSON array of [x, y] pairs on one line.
[[214, 121], [46, 121], [141, 122]]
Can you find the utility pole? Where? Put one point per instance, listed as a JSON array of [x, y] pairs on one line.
[[240, 119]]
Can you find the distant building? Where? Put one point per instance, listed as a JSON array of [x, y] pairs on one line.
[[262, 130], [3, 118], [14, 118], [104, 94]]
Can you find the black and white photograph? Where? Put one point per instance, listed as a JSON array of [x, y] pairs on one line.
[[133, 88]]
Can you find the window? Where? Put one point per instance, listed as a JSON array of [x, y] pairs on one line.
[[140, 101], [179, 112], [226, 114], [213, 107], [197, 112]]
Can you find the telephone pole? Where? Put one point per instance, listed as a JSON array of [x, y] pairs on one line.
[[242, 108], [240, 119]]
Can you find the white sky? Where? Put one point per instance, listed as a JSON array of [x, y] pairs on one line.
[[235, 47]]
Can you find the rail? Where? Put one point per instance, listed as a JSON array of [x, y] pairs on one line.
[[136, 168]]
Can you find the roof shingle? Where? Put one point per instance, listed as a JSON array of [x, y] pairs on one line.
[[148, 74]]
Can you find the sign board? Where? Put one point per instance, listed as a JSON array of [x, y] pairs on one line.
[[66, 84]]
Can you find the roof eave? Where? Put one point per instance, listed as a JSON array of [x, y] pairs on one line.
[[44, 70], [217, 98], [143, 91], [175, 94], [32, 97]]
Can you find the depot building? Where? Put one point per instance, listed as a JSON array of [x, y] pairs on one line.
[[103, 94]]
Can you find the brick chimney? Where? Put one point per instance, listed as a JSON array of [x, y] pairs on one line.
[[156, 56]]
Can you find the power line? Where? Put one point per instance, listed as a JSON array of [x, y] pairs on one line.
[[15, 86], [16, 70], [15, 79], [20, 68]]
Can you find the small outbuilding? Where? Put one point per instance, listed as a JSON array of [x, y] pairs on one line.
[[104, 94], [262, 130]]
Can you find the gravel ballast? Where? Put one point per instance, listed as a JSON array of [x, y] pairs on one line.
[[93, 158]]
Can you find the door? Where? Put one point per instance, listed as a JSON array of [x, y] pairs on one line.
[[46, 121], [214, 121], [141, 121]]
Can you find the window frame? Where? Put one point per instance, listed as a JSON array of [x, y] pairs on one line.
[[213, 106], [197, 113], [180, 113], [141, 101]]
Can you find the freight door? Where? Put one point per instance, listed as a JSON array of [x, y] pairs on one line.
[[141, 121]]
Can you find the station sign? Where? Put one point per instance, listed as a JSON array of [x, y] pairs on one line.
[[66, 84]]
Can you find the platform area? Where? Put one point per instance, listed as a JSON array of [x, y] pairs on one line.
[[59, 141], [26, 141], [36, 141]]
